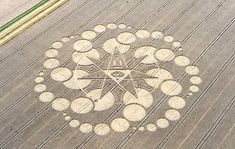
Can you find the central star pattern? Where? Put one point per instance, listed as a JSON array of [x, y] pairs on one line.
[[118, 73]]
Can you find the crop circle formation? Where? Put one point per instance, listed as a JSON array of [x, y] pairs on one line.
[[129, 69]]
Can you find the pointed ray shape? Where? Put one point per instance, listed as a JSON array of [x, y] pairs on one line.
[[96, 75], [129, 86], [117, 61], [96, 62], [137, 75], [108, 84]]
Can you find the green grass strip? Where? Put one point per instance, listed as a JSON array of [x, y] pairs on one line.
[[22, 15]]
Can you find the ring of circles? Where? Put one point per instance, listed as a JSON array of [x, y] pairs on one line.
[[121, 71]]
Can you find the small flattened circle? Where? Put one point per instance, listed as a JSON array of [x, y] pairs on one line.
[[85, 128], [65, 39], [40, 88], [41, 73], [142, 34], [169, 38], [190, 94], [192, 70], [182, 61], [164, 55], [74, 123], [157, 34], [193, 88], [176, 44], [111, 26], [57, 45], [195, 80], [51, 63], [141, 128], [89, 35], [99, 28], [51, 53], [151, 127], [176, 102], [120, 124], [172, 114], [126, 38], [67, 118], [60, 104], [102, 129], [162, 123], [122, 26], [39, 79], [82, 45], [46, 97]]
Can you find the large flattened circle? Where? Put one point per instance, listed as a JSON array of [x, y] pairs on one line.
[[162, 123], [102, 103], [51, 63], [192, 70], [74, 123], [158, 76], [148, 53], [182, 61], [172, 114], [61, 74], [120, 124], [99, 28], [82, 105], [46, 97], [89, 35], [85, 128], [102, 129], [82, 45], [76, 82], [143, 98], [171, 87], [51, 53], [60, 104], [111, 44], [134, 112], [195, 80], [83, 58], [164, 55], [40, 88], [126, 38], [142, 34], [176, 102]]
